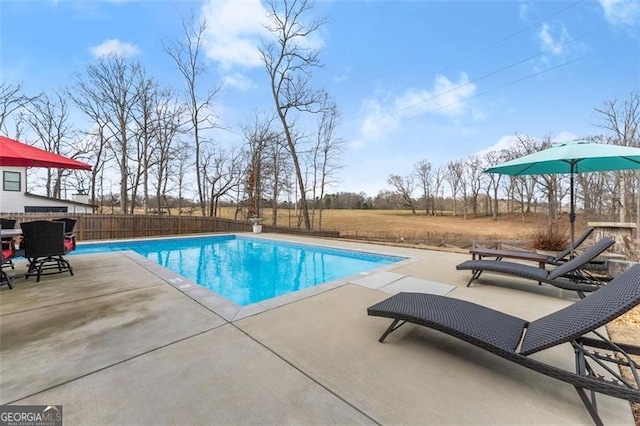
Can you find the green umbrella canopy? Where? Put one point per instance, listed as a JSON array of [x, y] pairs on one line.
[[572, 157]]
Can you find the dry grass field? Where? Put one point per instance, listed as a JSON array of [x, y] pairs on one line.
[[401, 225]]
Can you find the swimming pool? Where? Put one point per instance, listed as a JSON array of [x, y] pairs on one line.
[[248, 270]]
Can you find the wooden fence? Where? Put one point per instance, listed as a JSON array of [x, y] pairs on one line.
[[113, 227]]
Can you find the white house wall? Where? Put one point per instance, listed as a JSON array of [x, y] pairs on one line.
[[15, 202], [12, 201]]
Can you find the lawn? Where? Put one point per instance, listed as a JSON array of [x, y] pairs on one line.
[[402, 225]]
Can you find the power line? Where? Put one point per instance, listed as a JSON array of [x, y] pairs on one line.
[[485, 76], [486, 48], [512, 35], [510, 83]]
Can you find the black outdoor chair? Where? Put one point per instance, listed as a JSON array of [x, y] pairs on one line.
[[69, 232], [45, 247], [8, 252], [568, 276], [514, 339], [7, 243]]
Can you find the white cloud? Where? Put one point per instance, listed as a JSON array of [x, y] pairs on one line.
[[115, 47], [554, 40], [564, 137], [233, 32], [524, 10], [508, 142], [386, 110], [556, 44], [340, 78], [238, 81], [621, 13]]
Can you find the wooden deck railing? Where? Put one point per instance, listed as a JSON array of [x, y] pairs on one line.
[[114, 226]]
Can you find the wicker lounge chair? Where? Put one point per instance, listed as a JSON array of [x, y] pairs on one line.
[[45, 246], [514, 339], [541, 259], [568, 276]]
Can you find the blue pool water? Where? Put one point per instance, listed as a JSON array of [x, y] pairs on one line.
[[248, 270]]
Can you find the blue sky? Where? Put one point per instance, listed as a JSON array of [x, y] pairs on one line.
[[414, 80]]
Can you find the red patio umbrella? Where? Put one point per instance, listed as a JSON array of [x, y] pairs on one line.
[[17, 154]]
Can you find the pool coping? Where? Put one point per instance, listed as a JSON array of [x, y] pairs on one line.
[[231, 311]]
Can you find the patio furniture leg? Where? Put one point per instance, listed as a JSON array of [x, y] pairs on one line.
[[590, 404], [474, 276], [583, 368], [393, 327], [66, 264], [39, 271], [5, 278], [31, 270]]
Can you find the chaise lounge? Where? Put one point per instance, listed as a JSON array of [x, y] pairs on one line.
[[541, 259], [567, 276], [515, 339]]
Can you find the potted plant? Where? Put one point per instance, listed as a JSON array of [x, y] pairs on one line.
[[550, 241], [256, 223]]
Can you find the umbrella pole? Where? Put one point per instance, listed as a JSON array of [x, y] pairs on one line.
[[572, 214]]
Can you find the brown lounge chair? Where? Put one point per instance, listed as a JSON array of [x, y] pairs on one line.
[[515, 339], [541, 259], [567, 276]]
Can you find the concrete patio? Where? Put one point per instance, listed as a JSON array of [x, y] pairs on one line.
[[126, 342]]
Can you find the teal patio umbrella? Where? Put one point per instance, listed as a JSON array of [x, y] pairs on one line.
[[572, 157]]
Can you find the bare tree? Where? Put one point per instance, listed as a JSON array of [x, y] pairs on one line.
[[222, 172], [491, 159], [186, 53], [423, 174], [550, 185], [167, 120], [97, 140], [404, 188], [144, 136], [12, 98], [438, 187], [182, 156], [474, 178], [260, 138], [326, 154], [289, 63], [49, 119], [454, 177], [107, 93], [281, 168], [623, 119]]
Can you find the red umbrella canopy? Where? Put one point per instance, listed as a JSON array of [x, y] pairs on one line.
[[17, 154]]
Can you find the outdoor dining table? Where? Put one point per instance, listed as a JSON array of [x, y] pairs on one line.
[[10, 233]]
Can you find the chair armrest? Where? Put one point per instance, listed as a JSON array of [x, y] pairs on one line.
[[69, 243], [511, 254]]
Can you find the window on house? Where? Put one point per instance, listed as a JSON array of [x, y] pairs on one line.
[[11, 181]]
